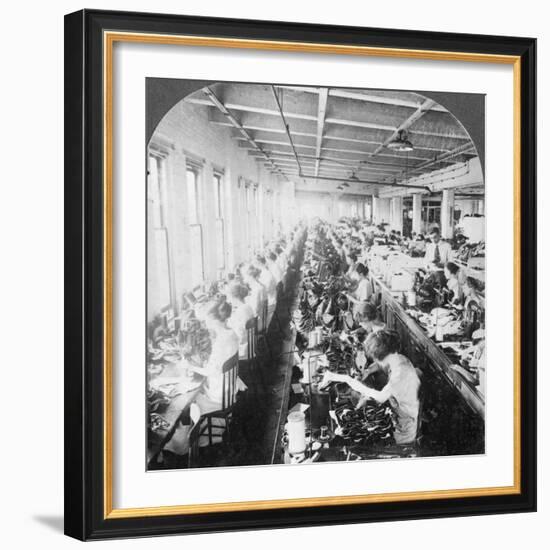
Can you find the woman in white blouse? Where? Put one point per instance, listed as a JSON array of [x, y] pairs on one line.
[[241, 313], [362, 294], [258, 295], [266, 278], [451, 274], [225, 345], [273, 267], [282, 262]]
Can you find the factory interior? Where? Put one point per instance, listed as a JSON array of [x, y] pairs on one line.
[[315, 278]]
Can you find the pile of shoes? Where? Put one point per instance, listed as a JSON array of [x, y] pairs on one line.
[[304, 321], [372, 424], [340, 356]]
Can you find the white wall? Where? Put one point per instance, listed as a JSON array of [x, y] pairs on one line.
[[187, 137], [32, 275]]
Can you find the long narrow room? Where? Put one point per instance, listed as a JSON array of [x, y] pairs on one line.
[[315, 276]]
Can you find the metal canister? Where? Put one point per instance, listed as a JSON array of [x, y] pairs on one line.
[[296, 433]]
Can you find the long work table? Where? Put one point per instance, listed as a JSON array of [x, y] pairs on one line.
[[423, 351], [454, 410]]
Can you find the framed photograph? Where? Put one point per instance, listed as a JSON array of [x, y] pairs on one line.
[[300, 274]]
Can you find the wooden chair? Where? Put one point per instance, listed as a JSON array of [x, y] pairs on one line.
[[252, 338], [280, 296], [251, 360], [262, 332], [230, 372], [194, 436]]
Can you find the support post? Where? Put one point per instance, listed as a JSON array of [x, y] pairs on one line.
[[397, 214], [447, 213], [417, 213]]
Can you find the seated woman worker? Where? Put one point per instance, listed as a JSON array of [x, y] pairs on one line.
[[401, 390], [225, 345], [362, 294], [454, 287], [369, 320]]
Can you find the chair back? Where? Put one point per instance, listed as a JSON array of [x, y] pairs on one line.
[[263, 317], [252, 337], [194, 436], [230, 372]]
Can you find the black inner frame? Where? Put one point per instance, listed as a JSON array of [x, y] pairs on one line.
[[84, 275]]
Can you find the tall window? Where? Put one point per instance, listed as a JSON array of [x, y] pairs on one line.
[[252, 215], [193, 204], [160, 275], [248, 228], [195, 227], [220, 224], [255, 217]]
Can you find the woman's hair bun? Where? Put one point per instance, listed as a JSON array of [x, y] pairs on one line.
[[253, 271], [237, 290], [219, 309], [224, 310], [380, 344]]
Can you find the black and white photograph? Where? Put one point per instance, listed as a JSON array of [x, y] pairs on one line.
[[315, 275]]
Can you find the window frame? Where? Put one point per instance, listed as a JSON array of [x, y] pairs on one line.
[[195, 221], [219, 224], [160, 158]]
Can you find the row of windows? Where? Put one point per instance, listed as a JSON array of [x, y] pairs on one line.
[[253, 219]]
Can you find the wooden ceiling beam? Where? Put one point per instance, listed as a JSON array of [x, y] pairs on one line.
[[422, 168], [321, 113], [406, 124], [307, 125], [213, 98], [365, 97]]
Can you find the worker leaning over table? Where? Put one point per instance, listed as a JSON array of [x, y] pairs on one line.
[[241, 313], [273, 267], [257, 295], [282, 263], [267, 279], [401, 389]]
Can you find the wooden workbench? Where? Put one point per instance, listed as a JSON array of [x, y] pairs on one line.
[[423, 351]]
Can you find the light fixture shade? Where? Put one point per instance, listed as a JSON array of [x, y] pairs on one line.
[[400, 143]]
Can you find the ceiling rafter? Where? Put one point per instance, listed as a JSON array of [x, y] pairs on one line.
[[461, 149], [362, 96], [330, 120], [337, 140], [405, 125], [321, 113], [280, 108], [214, 99]]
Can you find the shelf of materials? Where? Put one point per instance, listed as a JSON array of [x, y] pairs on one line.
[[478, 274]]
